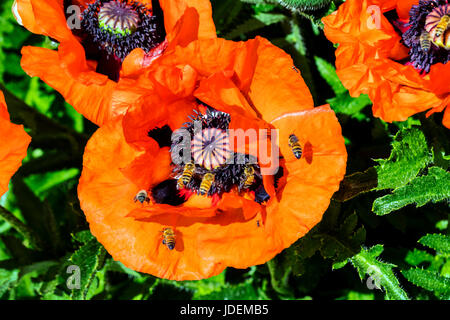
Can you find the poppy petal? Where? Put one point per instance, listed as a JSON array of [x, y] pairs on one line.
[[13, 148]]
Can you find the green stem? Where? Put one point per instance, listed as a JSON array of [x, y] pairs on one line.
[[23, 229]]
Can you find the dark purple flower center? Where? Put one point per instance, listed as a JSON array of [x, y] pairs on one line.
[[111, 29], [212, 169], [428, 34]]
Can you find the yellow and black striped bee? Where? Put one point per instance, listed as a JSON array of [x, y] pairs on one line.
[[249, 176], [168, 236], [295, 146], [188, 171], [442, 26], [425, 41], [207, 181], [142, 196]]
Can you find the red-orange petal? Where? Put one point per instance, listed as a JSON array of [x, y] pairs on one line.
[[13, 148]]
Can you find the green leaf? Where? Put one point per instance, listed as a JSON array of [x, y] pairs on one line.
[[304, 4], [89, 258], [241, 291], [367, 262], [409, 155], [258, 21], [438, 242], [417, 257], [428, 280], [328, 73], [433, 187], [7, 279], [348, 105]]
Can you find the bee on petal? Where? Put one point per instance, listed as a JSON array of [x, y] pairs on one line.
[[142, 196], [168, 236], [295, 146]]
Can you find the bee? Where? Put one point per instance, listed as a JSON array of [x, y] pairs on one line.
[[295, 69], [425, 41], [142, 196], [295, 146], [249, 176], [207, 181], [442, 26], [188, 171], [168, 236], [257, 223]]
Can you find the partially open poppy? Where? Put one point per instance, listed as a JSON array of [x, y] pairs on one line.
[[396, 51], [229, 203], [13, 147], [103, 42]]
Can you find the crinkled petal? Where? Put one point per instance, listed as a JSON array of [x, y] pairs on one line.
[[106, 197]]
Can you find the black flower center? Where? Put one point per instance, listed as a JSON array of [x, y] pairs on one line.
[[111, 29], [428, 34]]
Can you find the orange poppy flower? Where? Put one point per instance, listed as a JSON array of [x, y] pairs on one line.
[[233, 203], [394, 52], [13, 148], [103, 42]]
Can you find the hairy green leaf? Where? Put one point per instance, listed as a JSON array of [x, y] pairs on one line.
[[433, 187], [304, 4], [409, 155], [428, 280], [381, 273], [438, 242], [88, 259]]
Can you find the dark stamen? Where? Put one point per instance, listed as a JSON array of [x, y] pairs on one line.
[[111, 29], [208, 133], [425, 34]]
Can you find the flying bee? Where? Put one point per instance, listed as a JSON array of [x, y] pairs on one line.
[[295, 146], [442, 26], [188, 171], [249, 176], [168, 236], [207, 181], [142, 196], [425, 41]]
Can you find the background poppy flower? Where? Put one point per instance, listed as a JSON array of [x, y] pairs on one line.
[[381, 54], [231, 226], [93, 57], [13, 147]]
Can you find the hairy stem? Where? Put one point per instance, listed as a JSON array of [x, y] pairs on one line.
[[23, 229]]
